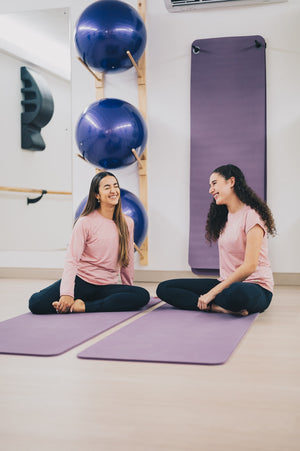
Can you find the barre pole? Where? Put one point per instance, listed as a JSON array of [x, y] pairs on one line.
[[33, 190]]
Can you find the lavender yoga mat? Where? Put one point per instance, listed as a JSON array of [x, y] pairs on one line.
[[228, 125], [170, 335], [49, 335]]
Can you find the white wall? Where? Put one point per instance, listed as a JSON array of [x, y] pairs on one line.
[[168, 110], [27, 231], [168, 89]]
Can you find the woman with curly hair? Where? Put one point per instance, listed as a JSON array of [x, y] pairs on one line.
[[240, 221], [101, 249]]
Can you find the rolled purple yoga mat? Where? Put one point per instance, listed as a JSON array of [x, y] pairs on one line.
[[169, 335], [228, 125]]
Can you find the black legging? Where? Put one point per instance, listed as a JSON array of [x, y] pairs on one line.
[[97, 298], [184, 294]]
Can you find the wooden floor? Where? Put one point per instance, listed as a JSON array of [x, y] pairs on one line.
[[66, 403]]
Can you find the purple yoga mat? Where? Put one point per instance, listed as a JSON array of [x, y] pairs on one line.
[[228, 125], [170, 335], [49, 335]]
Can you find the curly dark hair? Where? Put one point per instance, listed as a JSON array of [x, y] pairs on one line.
[[217, 214]]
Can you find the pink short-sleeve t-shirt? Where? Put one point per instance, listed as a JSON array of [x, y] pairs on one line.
[[232, 246]]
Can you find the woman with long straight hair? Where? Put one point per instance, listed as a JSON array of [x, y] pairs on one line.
[[240, 221], [101, 248]]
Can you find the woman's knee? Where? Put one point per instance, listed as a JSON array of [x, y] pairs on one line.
[[241, 295], [132, 299], [143, 296], [230, 298], [34, 303], [41, 302], [162, 288], [39, 305]]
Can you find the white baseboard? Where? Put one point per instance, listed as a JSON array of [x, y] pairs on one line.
[[292, 279], [158, 276], [31, 273], [287, 278]]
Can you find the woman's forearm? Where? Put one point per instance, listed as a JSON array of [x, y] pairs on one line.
[[249, 265], [240, 274]]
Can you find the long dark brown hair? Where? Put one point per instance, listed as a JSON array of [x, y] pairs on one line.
[[118, 216], [217, 215]]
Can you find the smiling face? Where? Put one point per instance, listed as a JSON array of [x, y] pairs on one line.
[[109, 191], [221, 189]]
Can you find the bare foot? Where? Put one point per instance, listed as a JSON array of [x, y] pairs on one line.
[[218, 309], [56, 304], [78, 306], [243, 312]]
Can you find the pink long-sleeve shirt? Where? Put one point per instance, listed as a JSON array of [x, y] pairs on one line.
[[93, 253]]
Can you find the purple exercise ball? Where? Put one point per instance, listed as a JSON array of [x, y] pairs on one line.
[[105, 31], [108, 130]]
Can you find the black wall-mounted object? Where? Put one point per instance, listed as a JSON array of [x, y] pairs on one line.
[[38, 108]]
